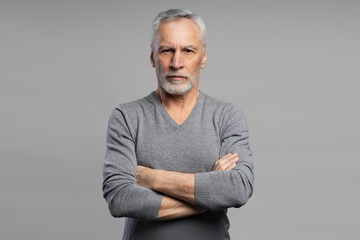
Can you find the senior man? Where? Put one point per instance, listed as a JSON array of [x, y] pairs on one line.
[[177, 159]]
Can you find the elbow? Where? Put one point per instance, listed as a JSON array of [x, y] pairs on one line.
[[114, 213], [243, 198], [115, 210], [244, 193], [126, 201], [115, 200], [118, 205]]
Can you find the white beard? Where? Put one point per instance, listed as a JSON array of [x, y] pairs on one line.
[[175, 87]]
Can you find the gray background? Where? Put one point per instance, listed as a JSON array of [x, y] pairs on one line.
[[291, 66]]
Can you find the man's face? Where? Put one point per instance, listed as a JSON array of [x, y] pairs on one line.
[[178, 55]]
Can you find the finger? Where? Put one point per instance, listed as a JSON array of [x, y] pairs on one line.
[[224, 162], [227, 157], [230, 164]]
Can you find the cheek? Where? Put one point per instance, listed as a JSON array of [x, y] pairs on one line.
[[196, 66], [162, 63], [160, 68]]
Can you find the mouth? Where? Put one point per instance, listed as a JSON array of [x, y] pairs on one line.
[[176, 77]]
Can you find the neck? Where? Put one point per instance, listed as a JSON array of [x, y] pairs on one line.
[[179, 107], [170, 100]]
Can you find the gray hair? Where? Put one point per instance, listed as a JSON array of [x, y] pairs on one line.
[[174, 14]]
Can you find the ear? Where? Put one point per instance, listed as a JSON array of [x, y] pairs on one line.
[[152, 59], [204, 58]]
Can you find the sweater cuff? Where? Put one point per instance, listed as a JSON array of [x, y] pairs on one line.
[[203, 190], [152, 206]]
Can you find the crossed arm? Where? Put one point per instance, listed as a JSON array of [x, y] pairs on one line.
[[178, 188], [153, 194]]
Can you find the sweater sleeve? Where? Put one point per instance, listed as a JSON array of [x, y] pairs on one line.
[[218, 190], [124, 197]]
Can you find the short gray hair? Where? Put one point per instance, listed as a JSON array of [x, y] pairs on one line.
[[174, 14]]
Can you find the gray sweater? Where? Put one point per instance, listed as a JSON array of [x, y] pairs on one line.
[[143, 133]]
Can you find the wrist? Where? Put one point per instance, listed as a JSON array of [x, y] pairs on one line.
[[145, 177], [155, 179]]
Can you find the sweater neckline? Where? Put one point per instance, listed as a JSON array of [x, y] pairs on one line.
[[165, 113]]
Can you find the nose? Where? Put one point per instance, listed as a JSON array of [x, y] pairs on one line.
[[177, 61]]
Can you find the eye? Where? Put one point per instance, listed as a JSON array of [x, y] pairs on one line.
[[166, 50], [187, 50]]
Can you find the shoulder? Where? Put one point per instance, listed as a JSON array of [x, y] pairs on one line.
[[134, 109], [227, 116], [128, 114], [223, 110]]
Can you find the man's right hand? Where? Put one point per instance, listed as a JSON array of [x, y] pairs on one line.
[[227, 162]]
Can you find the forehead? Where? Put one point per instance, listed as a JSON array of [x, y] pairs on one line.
[[179, 31]]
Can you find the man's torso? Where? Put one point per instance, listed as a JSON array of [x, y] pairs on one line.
[[191, 147]]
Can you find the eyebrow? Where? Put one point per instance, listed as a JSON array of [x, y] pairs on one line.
[[171, 47], [190, 46], [164, 47]]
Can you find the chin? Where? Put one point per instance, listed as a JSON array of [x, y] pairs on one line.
[[176, 89]]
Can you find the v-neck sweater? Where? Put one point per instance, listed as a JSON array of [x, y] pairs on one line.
[[143, 133]]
